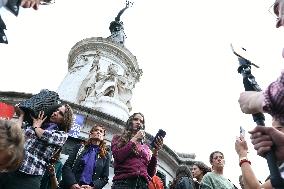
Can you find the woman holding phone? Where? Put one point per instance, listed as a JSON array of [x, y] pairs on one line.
[[134, 162]]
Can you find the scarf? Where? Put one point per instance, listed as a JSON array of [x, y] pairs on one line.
[[89, 163]]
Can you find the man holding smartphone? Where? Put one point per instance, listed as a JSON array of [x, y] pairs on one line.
[[269, 101]]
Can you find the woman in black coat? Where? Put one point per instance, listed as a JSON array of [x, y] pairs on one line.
[[88, 165]]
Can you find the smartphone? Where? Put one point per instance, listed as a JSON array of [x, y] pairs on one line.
[[242, 131], [161, 133], [52, 161]]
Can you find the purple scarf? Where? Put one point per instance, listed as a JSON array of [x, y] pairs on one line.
[[89, 163], [49, 126]]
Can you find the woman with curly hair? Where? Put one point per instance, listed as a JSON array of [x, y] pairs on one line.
[[42, 139], [88, 164], [199, 169], [134, 162]]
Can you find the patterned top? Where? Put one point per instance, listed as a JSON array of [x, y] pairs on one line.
[[274, 99], [212, 180], [39, 150]]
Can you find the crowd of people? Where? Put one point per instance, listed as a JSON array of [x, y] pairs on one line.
[[26, 149], [30, 151]]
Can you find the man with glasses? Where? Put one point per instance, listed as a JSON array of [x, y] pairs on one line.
[[269, 101]]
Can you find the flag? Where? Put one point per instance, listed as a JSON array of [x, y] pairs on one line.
[[6, 111], [77, 125]]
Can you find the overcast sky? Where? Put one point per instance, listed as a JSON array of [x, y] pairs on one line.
[[190, 85]]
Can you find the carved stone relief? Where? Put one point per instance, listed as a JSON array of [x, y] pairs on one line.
[[109, 83]]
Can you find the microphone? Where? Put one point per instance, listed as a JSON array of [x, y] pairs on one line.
[[141, 140], [141, 127]]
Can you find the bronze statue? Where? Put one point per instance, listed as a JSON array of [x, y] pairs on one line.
[[116, 26]]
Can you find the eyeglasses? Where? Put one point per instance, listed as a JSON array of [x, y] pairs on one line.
[[272, 9]]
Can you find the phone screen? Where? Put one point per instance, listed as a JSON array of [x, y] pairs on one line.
[[242, 131]]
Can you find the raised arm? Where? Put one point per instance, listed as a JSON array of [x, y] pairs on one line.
[[249, 178]]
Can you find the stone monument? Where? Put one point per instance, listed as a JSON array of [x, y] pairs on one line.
[[102, 72]]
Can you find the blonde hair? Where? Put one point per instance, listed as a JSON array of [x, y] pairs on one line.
[[11, 144]]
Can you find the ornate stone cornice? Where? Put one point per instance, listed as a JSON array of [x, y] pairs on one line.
[[109, 49]]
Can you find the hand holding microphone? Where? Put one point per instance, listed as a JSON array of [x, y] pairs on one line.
[[139, 136]]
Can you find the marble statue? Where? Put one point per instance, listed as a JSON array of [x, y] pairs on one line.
[[89, 83]]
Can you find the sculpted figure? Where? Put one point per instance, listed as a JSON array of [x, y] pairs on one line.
[[116, 26], [106, 83], [88, 84], [124, 87]]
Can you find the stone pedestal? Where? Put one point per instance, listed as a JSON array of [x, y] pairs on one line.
[[101, 75], [110, 106]]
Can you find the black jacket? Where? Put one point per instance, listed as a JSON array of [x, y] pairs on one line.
[[73, 168]]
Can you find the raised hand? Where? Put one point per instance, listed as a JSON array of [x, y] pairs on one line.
[[37, 122], [241, 147], [139, 136], [30, 4], [158, 145]]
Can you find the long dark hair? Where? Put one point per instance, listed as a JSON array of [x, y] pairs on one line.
[[128, 126], [126, 136], [202, 166], [182, 171]]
